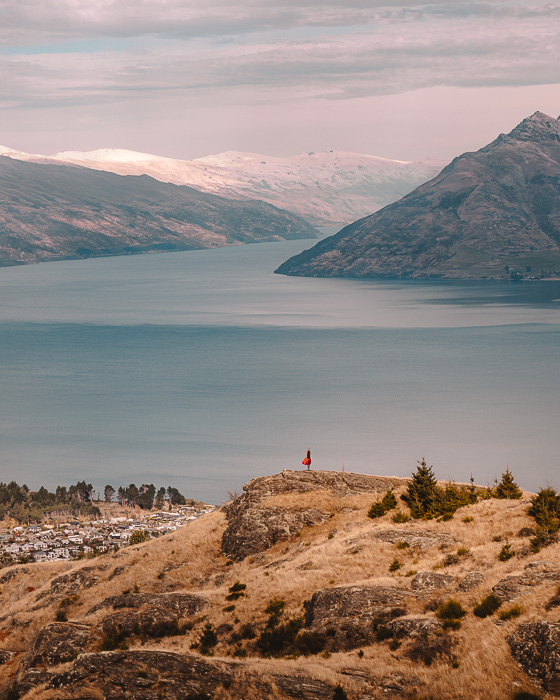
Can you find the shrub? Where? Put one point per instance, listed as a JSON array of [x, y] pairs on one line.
[[139, 536], [506, 552], [228, 608], [526, 695], [236, 591], [339, 693], [394, 645], [380, 508], [463, 551], [274, 610], [545, 509], [487, 606], [450, 610], [512, 613], [280, 639], [395, 565], [114, 638], [198, 696], [468, 519], [400, 517], [507, 488], [208, 640], [382, 633], [239, 652], [308, 643], [402, 545]]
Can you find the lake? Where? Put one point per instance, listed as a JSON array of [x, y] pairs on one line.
[[203, 369]]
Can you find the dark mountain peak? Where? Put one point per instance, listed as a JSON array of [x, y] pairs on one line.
[[537, 127], [491, 213]]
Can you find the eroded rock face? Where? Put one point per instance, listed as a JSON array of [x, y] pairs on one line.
[[181, 604], [72, 583], [351, 613], [536, 648], [514, 586], [253, 526], [150, 675], [431, 581]]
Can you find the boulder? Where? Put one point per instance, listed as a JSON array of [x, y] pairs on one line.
[[536, 648], [349, 615], [431, 581], [411, 627], [471, 580], [180, 604], [514, 586], [60, 642]]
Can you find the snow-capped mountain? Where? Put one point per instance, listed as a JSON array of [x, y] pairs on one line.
[[329, 188]]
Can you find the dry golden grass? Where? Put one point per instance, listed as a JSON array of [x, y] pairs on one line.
[[339, 552]]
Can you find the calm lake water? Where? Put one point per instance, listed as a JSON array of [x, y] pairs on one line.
[[203, 370]]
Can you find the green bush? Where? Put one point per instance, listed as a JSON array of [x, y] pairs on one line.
[[208, 640], [506, 552], [402, 545], [421, 493], [400, 517], [487, 606], [526, 695], [339, 693], [310, 643], [274, 610], [279, 640], [395, 565], [236, 591], [545, 509], [139, 536], [511, 613], [380, 508], [451, 610], [383, 632], [507, 488], [114, 638]]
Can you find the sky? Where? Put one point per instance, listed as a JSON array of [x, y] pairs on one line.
[[185, 79]]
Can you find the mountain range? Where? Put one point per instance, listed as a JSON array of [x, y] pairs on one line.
[[491, 213], [50, 211], [327, 189]]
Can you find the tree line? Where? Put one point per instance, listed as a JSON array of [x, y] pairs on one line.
[[145, 496]]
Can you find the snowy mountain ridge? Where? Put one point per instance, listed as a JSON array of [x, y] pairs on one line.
[[327, 188]]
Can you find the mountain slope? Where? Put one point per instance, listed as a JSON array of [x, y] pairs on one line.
[[50, 212], [331, 188], [199, 612], [497, 207]]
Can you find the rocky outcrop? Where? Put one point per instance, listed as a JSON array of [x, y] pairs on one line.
[[151, 675], [72, 583], [255, 526], [179, 604], [60, 642], [417, 539], [431, 581], [493, 213], [350, 614], [536, 648], [514, 586], [471, 580]]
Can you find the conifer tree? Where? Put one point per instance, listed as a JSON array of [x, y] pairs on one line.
[[422, 492], [507, 488], [545, 509]]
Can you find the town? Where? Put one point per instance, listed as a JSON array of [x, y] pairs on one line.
[[78, 538]]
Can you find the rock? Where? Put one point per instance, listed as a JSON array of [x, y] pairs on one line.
[[472, 580], [150, 675], [60, 642], [72, 583], [117, 571], [514, 586], [181, 604], [536, 648], [12, 573], [255, 526], [417, 539], [431, 581], [6, 656], [353, 612], [411, 627]]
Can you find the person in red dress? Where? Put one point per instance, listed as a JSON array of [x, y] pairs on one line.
[[307, 460]]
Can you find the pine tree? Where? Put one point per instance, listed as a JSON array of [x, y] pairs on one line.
[[545, 509], [507, 488], [422, 492]]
